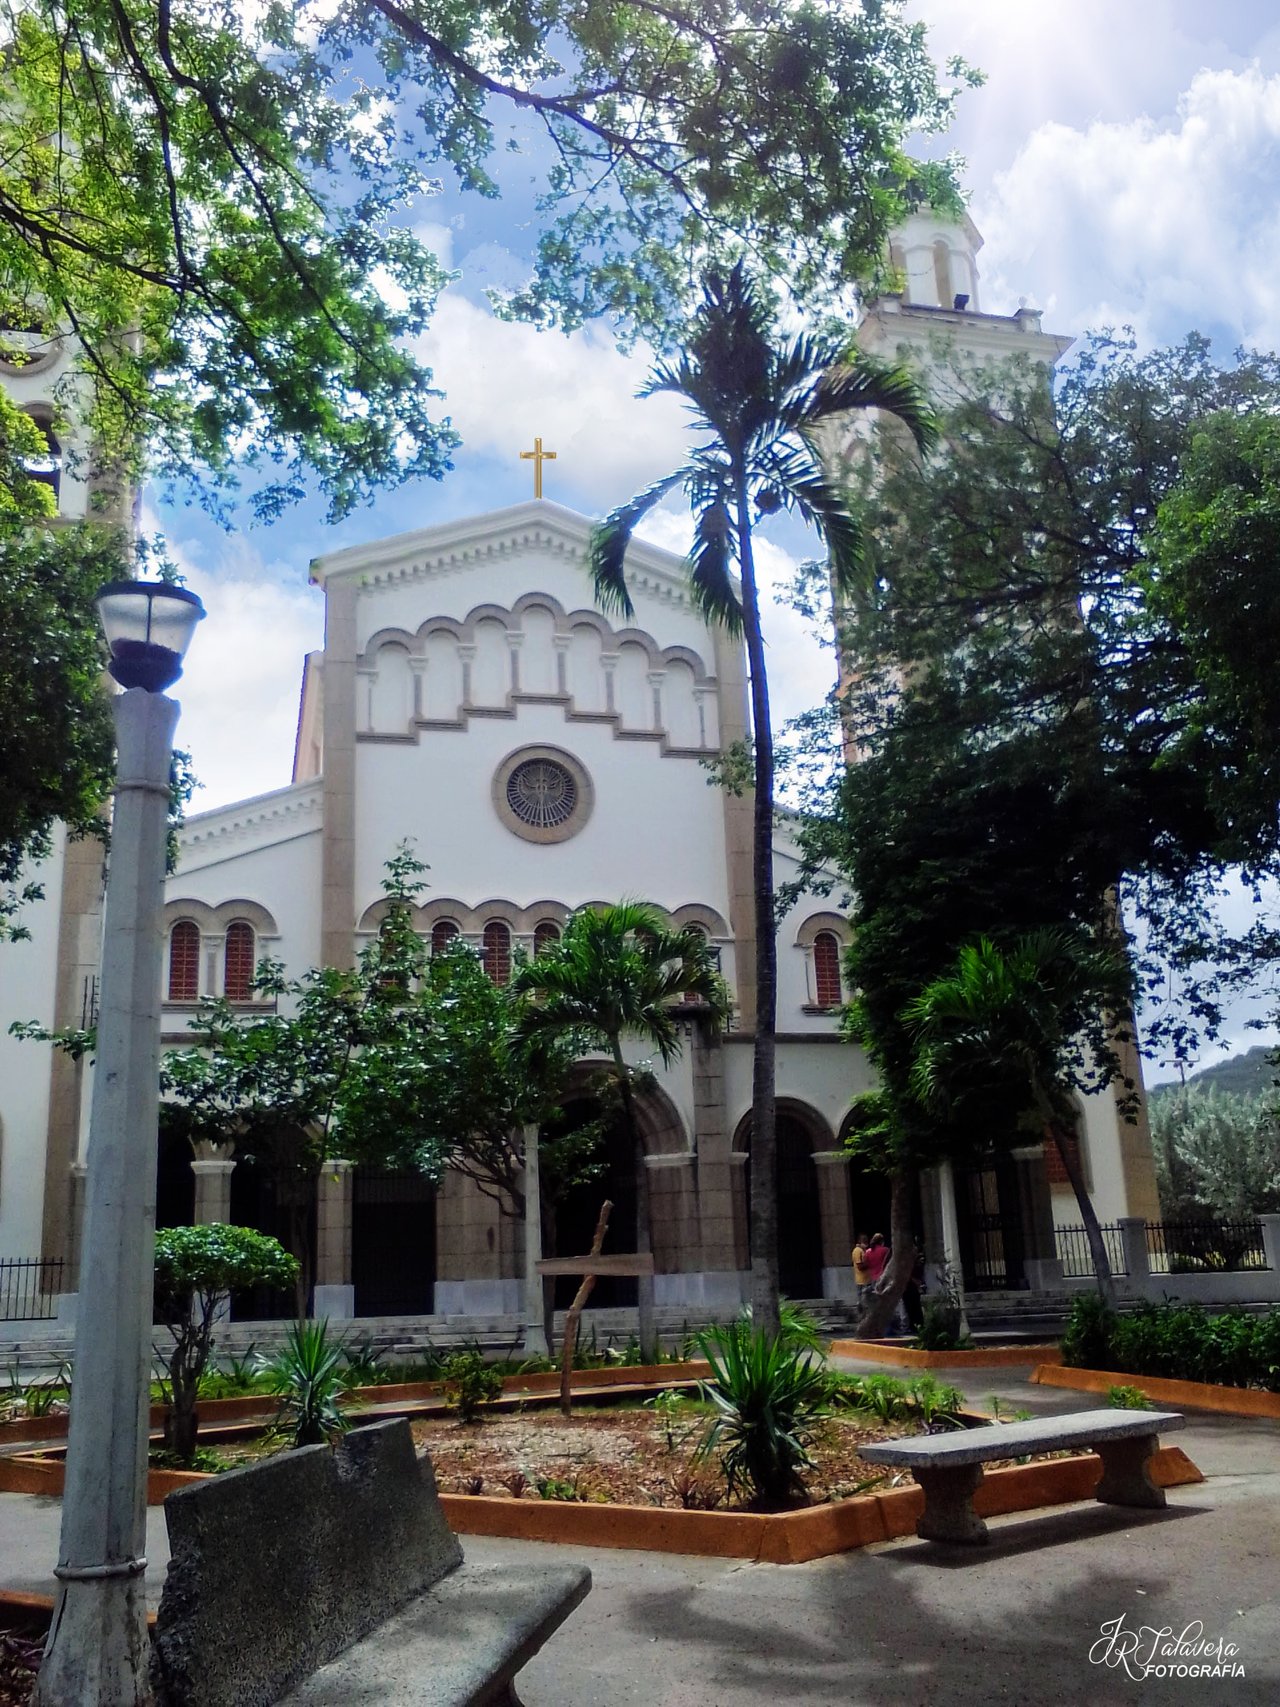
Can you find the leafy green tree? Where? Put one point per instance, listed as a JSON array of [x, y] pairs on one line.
[[1006, 1038], [620, 973], [1217, 1154], [214, 200], [197, 1270], [1051, 642], [759, 404], [404, 1060]]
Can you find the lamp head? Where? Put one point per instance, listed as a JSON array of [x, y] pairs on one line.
[[148, 625]]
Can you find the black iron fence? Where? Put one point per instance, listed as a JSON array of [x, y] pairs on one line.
[[29, 1289], [1204, 1247], [1077, 1259]]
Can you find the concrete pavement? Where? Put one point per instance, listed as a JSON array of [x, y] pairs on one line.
[[905, 1624]]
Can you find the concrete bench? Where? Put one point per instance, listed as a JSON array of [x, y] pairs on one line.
[[949, 1466], [331, 1576]]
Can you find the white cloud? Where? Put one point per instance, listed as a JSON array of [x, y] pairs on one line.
[[239, 688], [506, 383], [1165, 225]]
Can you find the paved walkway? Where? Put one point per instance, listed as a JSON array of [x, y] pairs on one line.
[[906, 1624]]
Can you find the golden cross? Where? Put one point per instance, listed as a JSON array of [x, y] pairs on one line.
[[537, 456]]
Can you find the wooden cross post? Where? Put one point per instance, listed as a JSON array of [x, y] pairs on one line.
[[590, 1268]]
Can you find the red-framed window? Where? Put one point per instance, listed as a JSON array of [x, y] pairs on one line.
[[496, 951], [826, 970], [238, 961], [443, 932], [184, 961], [546, 935]]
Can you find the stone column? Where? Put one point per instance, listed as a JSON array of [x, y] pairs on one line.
[[1041, 1263], [951, 1234], [535, 1333], [66, 1308], [338, 839], [673, 1208], [213, 1170], [1133, 1241], [477, 1266], [721, 1260], [837, 1222], [335, 1296], [1271, 1240]]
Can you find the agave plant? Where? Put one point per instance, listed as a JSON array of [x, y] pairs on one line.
[[309, 1375], [768, 1393]]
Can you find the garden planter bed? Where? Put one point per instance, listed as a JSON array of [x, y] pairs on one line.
[[1190, 1395], [787, 1538], [27, 1473], [981, 1357], [383, 1400]]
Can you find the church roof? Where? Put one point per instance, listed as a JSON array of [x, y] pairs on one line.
[[472, 540]]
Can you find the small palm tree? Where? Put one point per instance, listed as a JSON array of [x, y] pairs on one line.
[[758, 403], [1006, 1031], [620, 972]]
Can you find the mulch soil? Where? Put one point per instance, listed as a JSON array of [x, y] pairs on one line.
[[21, 1644], [624, 1456]]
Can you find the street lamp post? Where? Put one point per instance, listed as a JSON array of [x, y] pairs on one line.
[[98, 1653]]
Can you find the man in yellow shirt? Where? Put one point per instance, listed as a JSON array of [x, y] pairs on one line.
[[861, 1272]]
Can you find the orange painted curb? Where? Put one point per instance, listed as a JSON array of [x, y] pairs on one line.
[[1195, 1395], [262, 1406], [23, 1473], [906, 1357], [786, 1538]]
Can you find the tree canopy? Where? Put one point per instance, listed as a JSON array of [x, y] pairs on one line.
[[217, 201], [1052, 693]]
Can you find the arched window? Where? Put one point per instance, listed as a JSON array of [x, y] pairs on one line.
[[826, 970], [443, 932], [497, 951], [546, 935], [47, 468], [698, 931], [184, 961], [237, 962]]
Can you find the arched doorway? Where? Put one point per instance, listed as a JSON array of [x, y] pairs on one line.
[[279, 1201], [393, 1242], [569, 1214], [175, 1182], [799, 1208]]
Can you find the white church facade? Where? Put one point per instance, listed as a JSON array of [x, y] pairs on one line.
[[471, 699]]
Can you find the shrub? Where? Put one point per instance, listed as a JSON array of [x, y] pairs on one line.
[[1086, 1340], [1179, 1342], [197, 1269], [767, 1395], [1128, 1399], [937, 1406], [308, 1375], [470, 1383]]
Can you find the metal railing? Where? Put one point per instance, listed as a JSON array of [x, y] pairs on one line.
[[29, 1289], [1075, 1256], [1204, 1247]]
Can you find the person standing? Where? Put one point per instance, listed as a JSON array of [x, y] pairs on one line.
[[877, 1258], [861, 1272]]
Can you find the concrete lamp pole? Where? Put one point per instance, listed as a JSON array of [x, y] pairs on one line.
[[98, 1652]]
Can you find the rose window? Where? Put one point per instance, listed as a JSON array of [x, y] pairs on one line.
[[542, 793]]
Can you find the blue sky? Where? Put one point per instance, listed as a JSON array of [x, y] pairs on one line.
[[1123, 166]]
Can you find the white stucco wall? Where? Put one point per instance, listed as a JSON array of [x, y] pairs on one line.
[[27, 976]]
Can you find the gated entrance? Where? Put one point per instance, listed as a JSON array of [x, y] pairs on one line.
[[393, 1242], [992, 1247]]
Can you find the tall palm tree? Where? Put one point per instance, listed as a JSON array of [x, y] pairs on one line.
[[1006, 1031], [758, 402], [620, 972]]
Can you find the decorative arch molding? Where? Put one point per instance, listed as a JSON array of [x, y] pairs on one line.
[[816, 923], [213, 921], [694, 913], [662, 1131], [816, 1127], [662, 704]]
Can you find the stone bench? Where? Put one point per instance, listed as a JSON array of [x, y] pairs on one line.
[[330, 1575], [949, 1466]]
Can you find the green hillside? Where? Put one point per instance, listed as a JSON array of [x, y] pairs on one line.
[[1251, 1074]]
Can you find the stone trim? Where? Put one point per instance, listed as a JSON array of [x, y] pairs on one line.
[[547, 833]]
